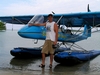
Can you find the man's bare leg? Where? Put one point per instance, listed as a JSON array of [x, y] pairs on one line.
[[43, 58], [43, 61], [51, 58]]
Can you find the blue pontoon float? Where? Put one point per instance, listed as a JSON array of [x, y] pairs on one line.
[[72, 57], [31, 52]]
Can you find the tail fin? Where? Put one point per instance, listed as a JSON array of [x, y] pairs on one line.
[[87, 31]]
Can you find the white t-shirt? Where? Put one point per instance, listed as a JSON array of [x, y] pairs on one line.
[[50, 33]]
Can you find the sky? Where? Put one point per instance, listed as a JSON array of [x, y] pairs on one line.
[[32, 7]]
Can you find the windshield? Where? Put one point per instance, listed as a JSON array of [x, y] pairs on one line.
[[37, 19]]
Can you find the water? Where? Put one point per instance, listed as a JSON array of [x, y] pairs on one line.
[[11, 66]]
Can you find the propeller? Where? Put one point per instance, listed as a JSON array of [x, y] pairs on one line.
[[88, 9]]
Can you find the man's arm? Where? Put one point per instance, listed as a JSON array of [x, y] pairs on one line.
[[56, 32], [42, 24]]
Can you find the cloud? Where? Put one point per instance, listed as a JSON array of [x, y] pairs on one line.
[[31, 7], [35, 7]]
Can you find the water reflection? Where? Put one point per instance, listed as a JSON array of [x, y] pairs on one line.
[[32, 66], [84, 69], [22, 64], [73, 70]]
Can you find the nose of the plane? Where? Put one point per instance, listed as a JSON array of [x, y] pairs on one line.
[[30, 32]]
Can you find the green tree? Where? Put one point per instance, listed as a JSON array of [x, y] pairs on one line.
[[2, 26]]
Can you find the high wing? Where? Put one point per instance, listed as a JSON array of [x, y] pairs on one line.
[[71, 19], [16, 19], [79, 19]]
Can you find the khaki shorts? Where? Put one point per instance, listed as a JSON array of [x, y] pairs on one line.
[[47, 48]]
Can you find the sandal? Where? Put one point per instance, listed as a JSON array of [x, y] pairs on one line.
[[50, 65], [42, 66]]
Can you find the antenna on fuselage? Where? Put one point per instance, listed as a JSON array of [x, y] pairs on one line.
[[53, 12]]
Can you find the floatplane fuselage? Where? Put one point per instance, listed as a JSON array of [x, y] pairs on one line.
[[39, 32]]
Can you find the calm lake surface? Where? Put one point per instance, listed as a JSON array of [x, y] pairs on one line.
[[11, 66]]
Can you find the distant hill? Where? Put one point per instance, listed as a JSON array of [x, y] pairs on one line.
[[2, 26]]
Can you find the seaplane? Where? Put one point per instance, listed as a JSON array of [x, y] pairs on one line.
[[66, 51]]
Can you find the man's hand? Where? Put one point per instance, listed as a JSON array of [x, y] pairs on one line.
[[55, 43], [55, 46], [30, 24]]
